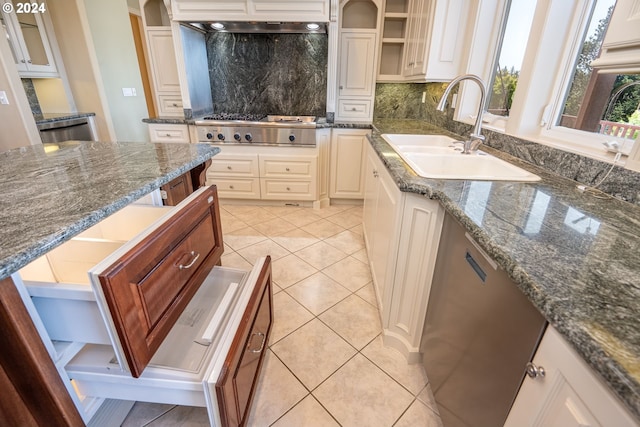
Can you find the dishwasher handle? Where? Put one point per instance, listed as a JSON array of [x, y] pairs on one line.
[[476, 267]]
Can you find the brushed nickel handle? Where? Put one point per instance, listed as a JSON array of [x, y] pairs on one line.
[[231, 187], [229, 167], [195, 256], [287, 169], [288, 188], [535, 371], [168, 135], [175, 105], [259, 350]]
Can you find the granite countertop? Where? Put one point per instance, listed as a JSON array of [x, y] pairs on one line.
[[54, 191], [56, 117], [574, 255], [321, 123]]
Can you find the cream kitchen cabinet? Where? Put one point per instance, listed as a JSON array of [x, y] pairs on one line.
[[155, 319], [568, 394], [357, 59], [30, 35], [266, 173], [621, 44], [347, 165], [402, 233], [159, 132], [423, 40], [162, 58], [252, 10]]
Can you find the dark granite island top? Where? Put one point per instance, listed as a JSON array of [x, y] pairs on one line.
[[54, 191], [575, 255]]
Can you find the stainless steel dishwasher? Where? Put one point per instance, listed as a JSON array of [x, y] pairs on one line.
[[479, 334], [74, 128]]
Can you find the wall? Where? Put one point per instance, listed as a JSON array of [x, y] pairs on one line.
[[115, 51], [51, 95], [402, 100], [268, 73]]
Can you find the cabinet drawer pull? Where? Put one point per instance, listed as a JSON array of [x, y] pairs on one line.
[[534, 371], [258, 350], [231, 187], [195, 256], [288, 170], [168, 135], [229, 167], [175, 105], [288, 188]]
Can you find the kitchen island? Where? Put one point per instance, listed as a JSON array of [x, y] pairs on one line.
[[572, 253], [51, 194]]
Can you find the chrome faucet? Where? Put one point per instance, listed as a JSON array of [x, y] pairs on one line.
[[476, 138]]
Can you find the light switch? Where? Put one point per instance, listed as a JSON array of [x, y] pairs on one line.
[[3, 98], [129, 91]]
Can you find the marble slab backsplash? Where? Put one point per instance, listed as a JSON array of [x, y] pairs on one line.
[[403, 101], [268, 73], [30, 90]]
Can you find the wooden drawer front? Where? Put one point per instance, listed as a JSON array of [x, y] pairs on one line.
[[169, 133], [147, 288], [234, 166], [177, 190], [357, 109], [237, 188], [172, 273], [288, 167], [237, 381], [170, 105], [275, 189]]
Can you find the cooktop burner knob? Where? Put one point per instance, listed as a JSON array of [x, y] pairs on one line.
[[221, 137], [292, 137], [237, 136], [248, 137], [209, 135]]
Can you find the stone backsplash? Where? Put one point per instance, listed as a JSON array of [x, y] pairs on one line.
[[403, 101], [268, 73], [30, 91]]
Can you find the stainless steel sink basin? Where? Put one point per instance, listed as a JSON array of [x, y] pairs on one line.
[[435, 156]]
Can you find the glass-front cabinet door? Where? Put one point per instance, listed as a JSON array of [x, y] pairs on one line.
[[25, 31]]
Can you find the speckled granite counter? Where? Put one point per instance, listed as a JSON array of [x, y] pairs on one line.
[[574, 255], [167, 121], [52, 194], [56, 117]]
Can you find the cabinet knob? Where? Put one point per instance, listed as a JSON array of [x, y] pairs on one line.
[[168, 135], [23, 61], [175, 105], [341, 87], [229, 167], [353, 109], [535, 371], [29, 61], [287, 169], [231, 187], [288, 189], [375, 174]]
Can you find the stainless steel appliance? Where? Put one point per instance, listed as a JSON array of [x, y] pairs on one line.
[[249, 129], [72, 129], [479, 334]]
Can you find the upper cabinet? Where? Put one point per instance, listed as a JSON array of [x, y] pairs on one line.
[[357, 59], [162, 58], [251, 10], [29, 38], [422, 40], [621, 46]]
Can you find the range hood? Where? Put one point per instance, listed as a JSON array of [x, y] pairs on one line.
[[261, 27]]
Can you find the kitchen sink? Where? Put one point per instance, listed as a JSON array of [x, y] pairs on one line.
[[436, 156]]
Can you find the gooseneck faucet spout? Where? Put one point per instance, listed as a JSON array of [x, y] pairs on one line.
[[476, 138]]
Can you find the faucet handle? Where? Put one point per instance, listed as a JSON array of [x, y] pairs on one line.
[[475, 141]]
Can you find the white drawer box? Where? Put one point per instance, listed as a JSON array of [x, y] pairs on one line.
[[170, 105], [354, 109], [152, 317], [236, 188], [279, 189], [234, 166], [168, 133], [298, 167]]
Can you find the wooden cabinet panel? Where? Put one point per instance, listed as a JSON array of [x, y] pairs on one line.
[[177, 190], [357, 51], [189, 244], [348, 163], [168, 133], [238, 378]]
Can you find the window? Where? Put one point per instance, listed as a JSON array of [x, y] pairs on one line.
[[555, 97], [509, 62]]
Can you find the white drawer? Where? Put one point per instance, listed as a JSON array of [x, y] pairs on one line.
[[298, 167], [233, 166], [168, 133], [279, 189], [354, 108], [170, 105], [236, 188]]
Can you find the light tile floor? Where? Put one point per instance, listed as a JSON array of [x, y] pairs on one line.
[[326, 364]]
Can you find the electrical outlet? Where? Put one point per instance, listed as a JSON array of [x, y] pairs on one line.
[[3, 98]]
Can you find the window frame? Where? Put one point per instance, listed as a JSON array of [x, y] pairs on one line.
[[546, 73]]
